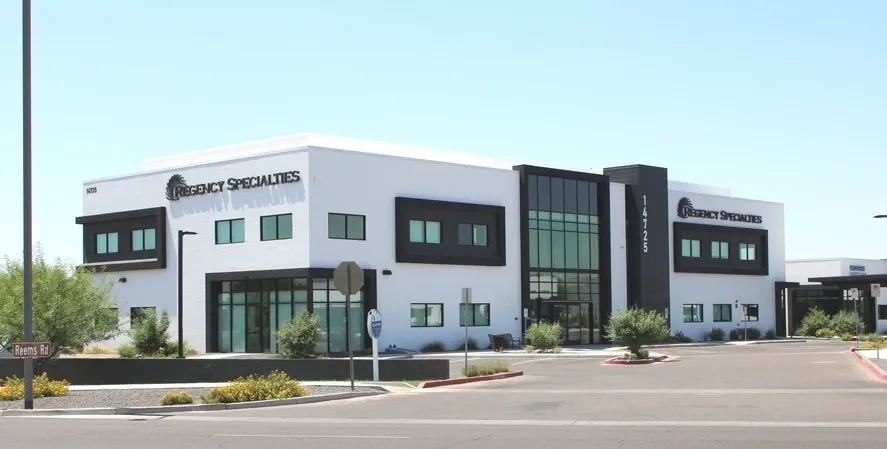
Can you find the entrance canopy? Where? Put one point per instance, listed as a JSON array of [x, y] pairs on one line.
[[851, 281]]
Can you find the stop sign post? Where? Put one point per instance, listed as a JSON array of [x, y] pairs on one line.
[[348, 278]]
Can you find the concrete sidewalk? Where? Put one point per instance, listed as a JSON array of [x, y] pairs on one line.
[[387, 385]]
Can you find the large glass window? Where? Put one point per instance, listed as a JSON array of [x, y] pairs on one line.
[[722, 313], [693, 313], [472, 234], [277, 227], [230, 231], [144, 239], [564, 241], [691, 248], [474, 315], [346, 227], [720, 250], [426, 315], [750, 312], [422, 231], [746, 251], [106, 243]]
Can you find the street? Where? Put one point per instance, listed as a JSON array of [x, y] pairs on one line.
[[798, 395]]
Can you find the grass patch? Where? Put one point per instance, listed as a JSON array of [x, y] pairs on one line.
[[485, 369], [179, 398], [276, 385], [13, 388]]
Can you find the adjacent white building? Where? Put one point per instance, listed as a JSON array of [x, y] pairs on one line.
[[274, 218]]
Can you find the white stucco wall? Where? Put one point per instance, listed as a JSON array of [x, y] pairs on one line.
[[618, 255]]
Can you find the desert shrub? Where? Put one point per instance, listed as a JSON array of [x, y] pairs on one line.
[[845, 323], [735, 335], [127, 351], [529, 348], [149, 333], [300, 336], [770, 334], [825, 333], [873, 341], [472, 344], [636, 328], [847, 337], [679, 337], [434, 346], [753, 333], [171, 349], [98, 350], [544, 336], [813, 321], [276, 385], [179, 398], [485, 369], [874, 336], [13, 388], [557, 349], [716, 334]]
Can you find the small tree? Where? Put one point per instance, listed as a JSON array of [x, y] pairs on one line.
[[149, 333], [300, 337], [71, 310], [636, 328], [846, 323], [544, 336], [815, 320]]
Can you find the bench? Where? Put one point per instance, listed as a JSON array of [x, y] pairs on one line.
[[498, 341]]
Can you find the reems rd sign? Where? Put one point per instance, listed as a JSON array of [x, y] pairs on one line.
[[31, 350]]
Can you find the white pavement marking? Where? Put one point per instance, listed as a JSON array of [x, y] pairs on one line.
[[826, 361], [866, 391], [369, 437], [531, 361], [462, 360], [775, 354]]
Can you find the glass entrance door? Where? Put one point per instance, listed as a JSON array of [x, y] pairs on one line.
[[254, 328], [574, 318]]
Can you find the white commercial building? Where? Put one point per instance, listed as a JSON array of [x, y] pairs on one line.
[[274, 218]]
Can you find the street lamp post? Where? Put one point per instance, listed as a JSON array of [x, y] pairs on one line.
[[27, 235], [182, 235], [880, 216]]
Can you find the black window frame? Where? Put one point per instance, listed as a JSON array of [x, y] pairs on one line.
[[882, 311], [132, 242], [471, 229], [276, 218], [104, 235], [136, 314], [425, 232], [691, 256], [754, 247], [720, 246], [721, 307], [230, 222], [745, 314], [734, 236], [473, 315], [347, 217], [698, 307], [426, 304]]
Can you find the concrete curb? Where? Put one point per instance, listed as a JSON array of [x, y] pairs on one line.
[[715, 343], [621, 361], [466, 380], [187, 408], [875, 369]]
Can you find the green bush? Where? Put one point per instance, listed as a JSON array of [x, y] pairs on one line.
[[825, 333], [299, 337], [171, 349], [434, 346], [180, 398], [485, 370], [472, 344], [735, 335], [770, 334], [544, 336], [149, 333], [13, 388], [753, 333], [636, 328], [845, 323], [530, 348], [276, 385], [813, 321], [847, 337], [679, 337], [127, 351], [716, 334]]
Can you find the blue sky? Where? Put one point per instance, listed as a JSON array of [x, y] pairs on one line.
[[783, 101]]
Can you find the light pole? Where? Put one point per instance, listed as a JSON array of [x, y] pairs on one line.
[[182, 235], [880, 216], [28, 261]]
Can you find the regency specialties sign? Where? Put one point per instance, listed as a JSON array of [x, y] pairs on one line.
[[686, 210], [177, 187]]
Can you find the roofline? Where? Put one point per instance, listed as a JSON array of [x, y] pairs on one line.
[[742, 198]]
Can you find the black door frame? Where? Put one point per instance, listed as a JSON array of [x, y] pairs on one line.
[[541, 307]]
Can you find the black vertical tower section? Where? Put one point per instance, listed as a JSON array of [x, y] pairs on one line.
[[647, 242]]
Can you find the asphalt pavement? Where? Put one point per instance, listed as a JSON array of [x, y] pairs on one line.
[[799, 395]]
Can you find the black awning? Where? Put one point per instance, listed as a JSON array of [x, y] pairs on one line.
[[863, 279]]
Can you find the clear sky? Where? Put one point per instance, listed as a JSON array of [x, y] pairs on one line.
[[783, 101]]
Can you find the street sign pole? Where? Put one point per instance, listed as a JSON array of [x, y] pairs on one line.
[[348, 326], [26, 180], [348, 277], [466, 299], [854, 295]]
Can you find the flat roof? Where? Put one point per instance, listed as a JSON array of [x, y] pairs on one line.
[[851, 280]]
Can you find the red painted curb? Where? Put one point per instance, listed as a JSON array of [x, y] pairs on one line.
[[875, 369], [467, 380], [621, 361]]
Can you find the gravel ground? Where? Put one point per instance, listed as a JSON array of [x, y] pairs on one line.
[[882, 363], [140, 397]]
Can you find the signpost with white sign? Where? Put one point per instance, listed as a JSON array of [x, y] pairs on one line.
[[374, 327], [348, 278], [31, 350], [854, 295], [466, 299], [876, 290]]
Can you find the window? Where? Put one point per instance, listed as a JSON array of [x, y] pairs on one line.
[[277, 227], [746, 251], [720, 250], [136, 314], [692, 313], [108, 317], [230, 231], [424, 231], [472, 234], [882, 311], [347, 227], [690, 248], [106, 243], [474, 315], [144, 240], [750, 312], [722, 313], [426, 315]]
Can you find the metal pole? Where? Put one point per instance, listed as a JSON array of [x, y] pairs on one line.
[[348, 325], [26, 178], [466, 343], [181, 296]]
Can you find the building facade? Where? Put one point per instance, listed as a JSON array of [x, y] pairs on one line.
[[272, 219]]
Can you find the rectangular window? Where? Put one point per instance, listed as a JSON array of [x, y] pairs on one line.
[[143, 239], [106, 243], [424, 231], [474, 315], [692, 313], [882, 311], [691, 248], [426, 315], [346, 227], [472, 234], [138, 313], [277, 227], [230, 231], [750, 312], [720, 250], [722, 313], [747, 251]]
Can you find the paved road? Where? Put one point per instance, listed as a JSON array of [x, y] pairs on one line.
[[792, 396]]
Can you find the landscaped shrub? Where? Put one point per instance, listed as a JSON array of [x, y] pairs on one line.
[[434, 346], [770, 334], [179, 398], [13, 388], [679, 337], [544, 336], [529, 348], [845, 323], [97, 350], [472, 344], [636, 328], [847, 337], [149, 333], [171, 349], [485, 369], [300, 336], [753, 333], [813, 321], [716, 334], [127, 351], [276, 385], [825, 333], [736, 335]]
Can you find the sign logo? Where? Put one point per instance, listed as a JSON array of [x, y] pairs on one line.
[[686, 210], [177, 187], [857, 269]]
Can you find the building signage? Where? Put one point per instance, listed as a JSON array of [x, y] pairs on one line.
[[857, 270], [686, 210], [177, 187]]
